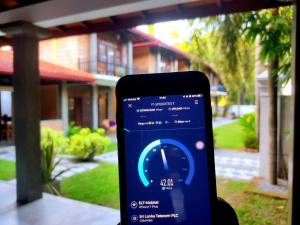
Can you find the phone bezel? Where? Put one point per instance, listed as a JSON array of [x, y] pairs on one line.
[[177, 83]]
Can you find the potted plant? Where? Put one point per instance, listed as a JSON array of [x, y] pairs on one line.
[[52, 143]]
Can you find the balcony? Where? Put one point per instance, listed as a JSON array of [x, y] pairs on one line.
[[106, 68]]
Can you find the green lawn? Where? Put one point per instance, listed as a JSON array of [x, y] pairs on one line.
[[253, 208], [229, 136], [113, 146], [7, 170], [100, 186]]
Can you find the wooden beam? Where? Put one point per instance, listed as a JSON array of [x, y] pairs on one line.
[[62, 28], [294, 154], [146, 15], [187, 13], [85, 24], [113, 20], [180, 9]]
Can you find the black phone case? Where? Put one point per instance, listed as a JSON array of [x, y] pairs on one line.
[[164, 84]]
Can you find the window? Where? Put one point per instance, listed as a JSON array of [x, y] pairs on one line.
[[109, 58]]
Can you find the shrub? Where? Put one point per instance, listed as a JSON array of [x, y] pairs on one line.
[[52, 143], [86, 144], [73, 129], [248, 122]]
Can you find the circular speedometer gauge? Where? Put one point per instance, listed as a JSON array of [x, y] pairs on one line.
[[166, 163]]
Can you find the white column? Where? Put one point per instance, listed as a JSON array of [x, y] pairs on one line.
[[93, 53], [176, 65], [129, 57], [157, 62], [64, 105], [95, 106], [262, 86]]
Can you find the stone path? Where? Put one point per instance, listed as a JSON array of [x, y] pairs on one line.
[[229, 164], [52, 210], [223, 121], [236, 165], [67, 163]]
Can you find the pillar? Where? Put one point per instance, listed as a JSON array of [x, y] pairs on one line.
[[176, 65], [129, 57], [64, 105], [93, 59], [294, 156], [95, 105], [26, 82], [157, 62], [110, 104], [264, 159]]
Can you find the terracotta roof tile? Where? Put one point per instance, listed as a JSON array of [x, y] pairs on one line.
[[47, 70]]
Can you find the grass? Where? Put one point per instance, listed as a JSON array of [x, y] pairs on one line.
[[253, 208], [229, 136], [98, 186], [113, 146], [7, 170]]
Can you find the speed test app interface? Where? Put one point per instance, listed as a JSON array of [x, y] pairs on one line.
[[166, 160]]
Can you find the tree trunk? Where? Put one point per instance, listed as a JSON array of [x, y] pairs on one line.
[[272, 89]]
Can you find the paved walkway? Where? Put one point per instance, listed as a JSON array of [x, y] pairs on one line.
[[52, 210], [236, 165], [229, 164], [67, 163], [223, 121]]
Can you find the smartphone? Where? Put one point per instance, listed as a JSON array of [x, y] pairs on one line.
[[165, 149]]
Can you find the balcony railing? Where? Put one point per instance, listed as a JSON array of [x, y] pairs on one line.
[[112, 69]]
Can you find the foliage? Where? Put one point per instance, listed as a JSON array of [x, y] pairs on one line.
[[86, 144], [248, 122], [229, 136], [221, 44], [273, 28], [99, 131], [98, 186], [7, 170], [52, 143], [73, 129]]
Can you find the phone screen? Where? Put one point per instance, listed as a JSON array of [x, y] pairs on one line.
[[167, 180]]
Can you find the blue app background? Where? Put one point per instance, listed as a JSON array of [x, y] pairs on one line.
[[166, 197]]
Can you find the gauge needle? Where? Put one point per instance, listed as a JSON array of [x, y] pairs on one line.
[[163, 156]]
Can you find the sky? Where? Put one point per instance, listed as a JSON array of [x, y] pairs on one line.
[[164, 30]]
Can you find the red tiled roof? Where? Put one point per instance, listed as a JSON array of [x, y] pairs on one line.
[[47, 70], [148, 40]]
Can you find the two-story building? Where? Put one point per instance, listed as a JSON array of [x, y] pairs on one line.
[[54, 79], [108, 56], [87, 68]]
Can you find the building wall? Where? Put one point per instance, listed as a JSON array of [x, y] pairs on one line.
[[143, 59], [65, 51], [182, 66], [83, 48]]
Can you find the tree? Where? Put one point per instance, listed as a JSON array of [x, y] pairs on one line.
[[273, 29], [233, 36], [221, 43]]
